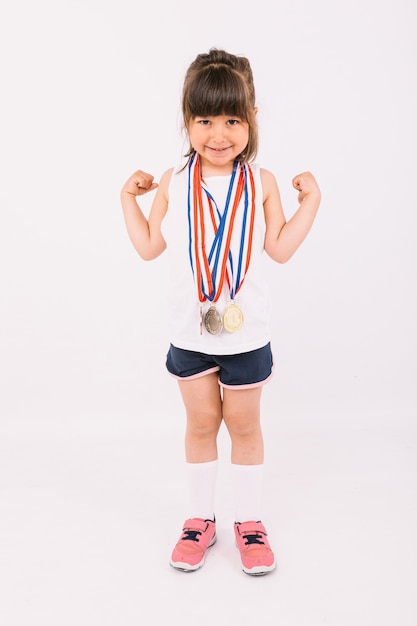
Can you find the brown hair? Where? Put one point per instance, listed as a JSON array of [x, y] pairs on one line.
[[219, 83]]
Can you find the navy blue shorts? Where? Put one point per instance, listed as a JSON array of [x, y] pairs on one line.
[[245, 370]]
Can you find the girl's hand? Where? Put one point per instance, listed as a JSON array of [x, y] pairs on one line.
[[305, 184], [139, 183]]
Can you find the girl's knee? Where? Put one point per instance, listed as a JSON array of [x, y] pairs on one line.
[[243, 429], [203, 424]]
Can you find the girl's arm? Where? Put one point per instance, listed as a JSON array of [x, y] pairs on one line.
[[145, 234], [282, 238]]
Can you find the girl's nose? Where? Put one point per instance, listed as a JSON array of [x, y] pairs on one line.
[[217, 132]]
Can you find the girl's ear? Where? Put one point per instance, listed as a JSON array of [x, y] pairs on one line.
[[255, 110]]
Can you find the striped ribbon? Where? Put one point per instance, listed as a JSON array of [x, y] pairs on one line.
[[213, 269]]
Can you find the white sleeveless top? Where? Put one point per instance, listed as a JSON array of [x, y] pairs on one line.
[[252, 298]]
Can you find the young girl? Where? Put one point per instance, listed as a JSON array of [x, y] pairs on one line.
[[216, 214]]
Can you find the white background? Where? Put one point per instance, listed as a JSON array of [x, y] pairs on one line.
[[91, 425]]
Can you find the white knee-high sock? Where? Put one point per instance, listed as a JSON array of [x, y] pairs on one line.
[[202, 479], [248, 486]]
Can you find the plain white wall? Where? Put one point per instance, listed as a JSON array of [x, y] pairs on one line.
[[91, 91]]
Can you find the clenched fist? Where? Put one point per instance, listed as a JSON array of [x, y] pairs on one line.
[[305, 184], [139, 183]]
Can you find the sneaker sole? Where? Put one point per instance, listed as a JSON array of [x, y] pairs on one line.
[[187, 567], [259, 570]]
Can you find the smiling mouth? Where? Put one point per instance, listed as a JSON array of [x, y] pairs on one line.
[[219, 149]]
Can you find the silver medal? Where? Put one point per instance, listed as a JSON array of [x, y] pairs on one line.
[[213, 321]]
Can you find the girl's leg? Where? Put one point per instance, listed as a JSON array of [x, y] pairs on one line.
[[241, 414], [203, 405], [241, 411]]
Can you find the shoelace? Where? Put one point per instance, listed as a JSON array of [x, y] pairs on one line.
[[256, 538], [191, 535]]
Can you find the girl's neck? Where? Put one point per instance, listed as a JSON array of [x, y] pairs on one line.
[[209, 169]]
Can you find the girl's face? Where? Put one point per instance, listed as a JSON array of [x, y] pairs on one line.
[[218, 140]]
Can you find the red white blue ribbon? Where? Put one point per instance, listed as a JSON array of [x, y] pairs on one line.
[[211, 268]]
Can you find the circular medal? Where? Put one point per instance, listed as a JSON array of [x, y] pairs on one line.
[[233, 318], [213, 321]]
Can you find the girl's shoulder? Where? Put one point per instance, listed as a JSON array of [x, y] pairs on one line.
[[266, 174], [173, 180], [267, 177], [180, 168], [167, 175], [165, 180]]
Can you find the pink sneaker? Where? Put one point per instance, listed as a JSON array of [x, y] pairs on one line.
[[190, 551], [255, 551]]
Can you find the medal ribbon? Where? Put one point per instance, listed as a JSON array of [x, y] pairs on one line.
[[210, 271]]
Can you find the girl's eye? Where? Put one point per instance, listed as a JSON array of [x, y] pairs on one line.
[[233, 122], [204, 122]]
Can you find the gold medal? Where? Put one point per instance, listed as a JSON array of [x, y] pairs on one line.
[[213, 321], [232, 318]]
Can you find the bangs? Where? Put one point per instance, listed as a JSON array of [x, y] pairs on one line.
[[218, 90]]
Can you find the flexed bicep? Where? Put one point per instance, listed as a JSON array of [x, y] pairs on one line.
[[145, 233]]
